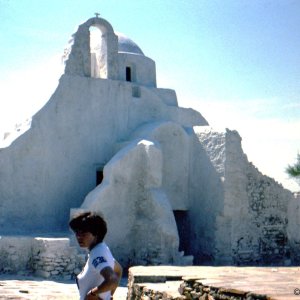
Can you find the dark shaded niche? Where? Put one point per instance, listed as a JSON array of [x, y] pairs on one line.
[[184, 230]]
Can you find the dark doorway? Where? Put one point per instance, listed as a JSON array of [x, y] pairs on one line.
[[99, 177], [128, 74], [183, 227]]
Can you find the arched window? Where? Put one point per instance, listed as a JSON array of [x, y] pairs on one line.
[[98, 46]]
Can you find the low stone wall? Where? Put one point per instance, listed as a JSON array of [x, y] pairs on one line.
[[145, 293], [205, 283], [43, 257], [189, 290], [194, 289]]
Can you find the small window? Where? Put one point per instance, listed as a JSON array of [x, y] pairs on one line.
[[128, 74], [99, 177]]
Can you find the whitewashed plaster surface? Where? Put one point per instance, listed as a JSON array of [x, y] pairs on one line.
[[172, 187], [52, 166]]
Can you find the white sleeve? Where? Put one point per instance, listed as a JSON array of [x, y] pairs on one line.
[[102, 258], [100, 262]]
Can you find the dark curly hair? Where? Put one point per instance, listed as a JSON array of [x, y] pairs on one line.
[[89, 222]]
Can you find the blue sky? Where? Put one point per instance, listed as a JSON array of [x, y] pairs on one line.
[[237, 62]]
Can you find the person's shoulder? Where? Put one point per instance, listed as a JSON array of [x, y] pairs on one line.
[[100, 255], [104, 245], [101, 248]]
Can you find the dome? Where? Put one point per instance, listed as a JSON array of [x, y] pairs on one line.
[[127, 45]]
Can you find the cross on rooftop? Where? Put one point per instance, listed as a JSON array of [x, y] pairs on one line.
[[97, 15]]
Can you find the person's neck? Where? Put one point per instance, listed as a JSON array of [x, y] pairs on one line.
[[93, 245]]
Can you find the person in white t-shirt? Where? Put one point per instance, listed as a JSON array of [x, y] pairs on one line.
[[102, 273]]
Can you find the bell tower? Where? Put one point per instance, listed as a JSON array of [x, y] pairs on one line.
[[100, 61]]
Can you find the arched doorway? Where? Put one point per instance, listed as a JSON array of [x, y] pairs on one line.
[[184, 230]]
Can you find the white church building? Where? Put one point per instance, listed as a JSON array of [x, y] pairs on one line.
[[173, 190]]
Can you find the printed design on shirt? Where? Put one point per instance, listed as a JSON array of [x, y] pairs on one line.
[[98, 260]]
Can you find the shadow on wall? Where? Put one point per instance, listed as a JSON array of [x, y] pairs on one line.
[[206, 202]]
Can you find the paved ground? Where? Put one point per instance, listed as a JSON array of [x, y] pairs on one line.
[[281, 283], [18, 287]]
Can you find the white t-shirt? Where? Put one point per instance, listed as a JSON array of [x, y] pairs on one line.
[[99, 258]]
